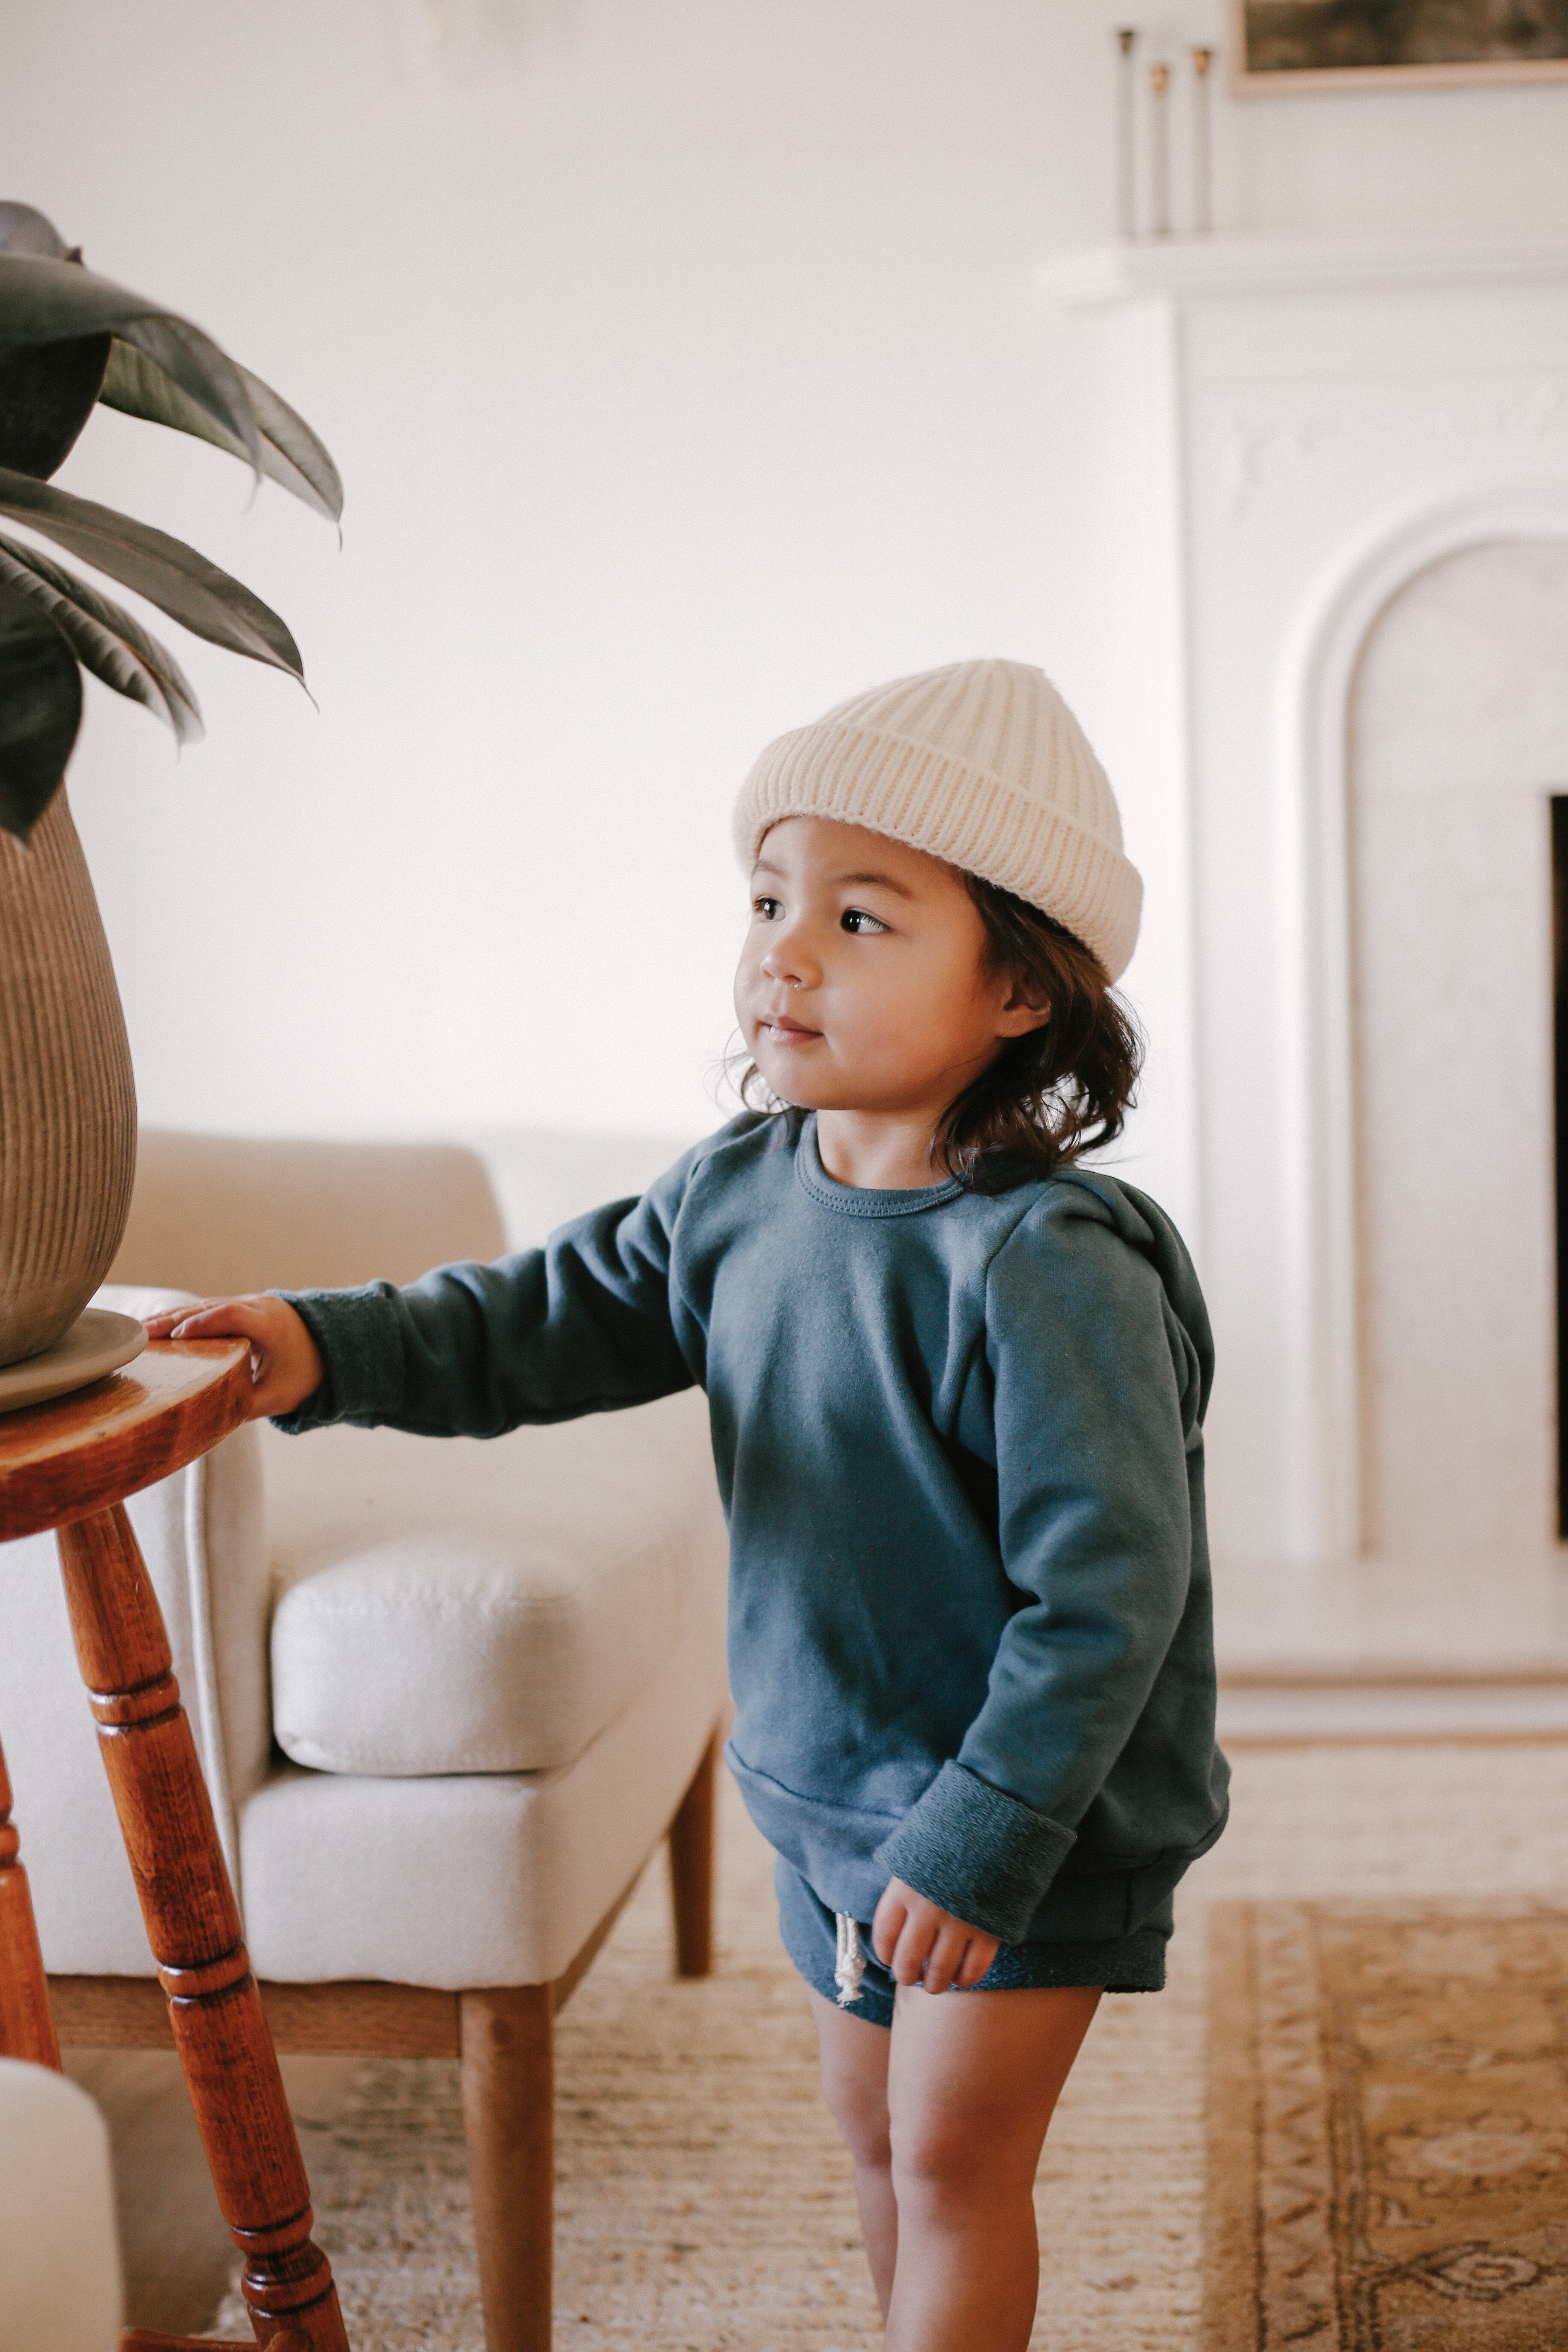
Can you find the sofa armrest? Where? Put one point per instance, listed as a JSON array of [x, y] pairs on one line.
[[227, 1213]]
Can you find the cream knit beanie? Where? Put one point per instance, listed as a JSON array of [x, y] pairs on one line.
[[981, 764]]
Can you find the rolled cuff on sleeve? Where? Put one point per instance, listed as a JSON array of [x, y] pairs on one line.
[[357, 1335], [978, 1853]]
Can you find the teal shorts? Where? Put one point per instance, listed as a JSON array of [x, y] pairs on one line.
[[1134, 1963]]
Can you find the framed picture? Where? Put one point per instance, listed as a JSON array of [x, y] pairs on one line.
[[1281, 45]]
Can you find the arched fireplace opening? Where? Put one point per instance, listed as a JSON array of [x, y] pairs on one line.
[[1457, 837]]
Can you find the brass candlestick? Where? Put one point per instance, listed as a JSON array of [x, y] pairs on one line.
[[1126, 39], [1202, 187], [1158, 152]]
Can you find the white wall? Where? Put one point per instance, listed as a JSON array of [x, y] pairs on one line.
[[686, 374]]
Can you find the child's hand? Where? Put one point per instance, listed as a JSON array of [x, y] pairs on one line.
[[286, 1366], [909, 1936]]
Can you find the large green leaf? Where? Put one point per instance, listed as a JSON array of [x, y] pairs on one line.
[[40, 710], [43, 301], [290, 452], [160, 367], [105, 639], [169, 573], [47, 392]]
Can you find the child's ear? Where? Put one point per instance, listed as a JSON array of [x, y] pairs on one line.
[[1023, 1009]]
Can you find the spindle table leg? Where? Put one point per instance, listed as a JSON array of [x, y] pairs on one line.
[[26, 2028], [194, 1928]]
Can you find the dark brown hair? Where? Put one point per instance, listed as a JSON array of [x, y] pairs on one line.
[[1063, 1089], [1047, 1097]]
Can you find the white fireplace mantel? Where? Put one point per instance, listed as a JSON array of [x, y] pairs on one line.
[[1194, 268], [1293, 431]]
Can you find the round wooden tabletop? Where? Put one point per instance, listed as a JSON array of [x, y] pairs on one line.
[[79, 1453]]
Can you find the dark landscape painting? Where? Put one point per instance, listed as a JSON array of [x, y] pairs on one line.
[[1285, 41]]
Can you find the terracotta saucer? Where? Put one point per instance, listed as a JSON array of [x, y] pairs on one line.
[[98, 1342]]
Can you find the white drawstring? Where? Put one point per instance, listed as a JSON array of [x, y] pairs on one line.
[[851, 1962]]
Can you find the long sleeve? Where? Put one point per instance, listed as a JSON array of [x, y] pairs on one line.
[[583, 1325], [1098, 1390]]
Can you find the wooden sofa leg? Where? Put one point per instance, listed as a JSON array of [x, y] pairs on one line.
[[509, 2122], [692, 1869]]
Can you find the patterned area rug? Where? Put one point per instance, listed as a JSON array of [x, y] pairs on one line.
[[706, 2205], [1388, 2128]]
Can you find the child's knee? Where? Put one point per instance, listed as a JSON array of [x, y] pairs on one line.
[[952, 2159], [860, 2108], [930, 2154]]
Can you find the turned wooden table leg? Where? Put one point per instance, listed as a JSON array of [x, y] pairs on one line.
[[194, 1928], [26, 2028]]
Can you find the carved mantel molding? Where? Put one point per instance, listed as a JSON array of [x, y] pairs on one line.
[[1193, 269]]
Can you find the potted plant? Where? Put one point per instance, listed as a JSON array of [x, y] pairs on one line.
[[70, 341]]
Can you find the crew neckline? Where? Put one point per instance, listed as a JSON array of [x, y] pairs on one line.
[[861, 1201]]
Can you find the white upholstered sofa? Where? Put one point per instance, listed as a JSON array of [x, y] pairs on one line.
[[449, 1696]]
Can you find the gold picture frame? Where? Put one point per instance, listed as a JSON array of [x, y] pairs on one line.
[[1277, 49]]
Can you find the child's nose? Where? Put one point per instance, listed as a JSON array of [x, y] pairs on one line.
[[788, 960]]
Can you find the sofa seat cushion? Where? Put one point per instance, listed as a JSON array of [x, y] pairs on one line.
[[460, 1879], [448, 1606]]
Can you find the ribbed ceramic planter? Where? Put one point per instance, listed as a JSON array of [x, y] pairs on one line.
[[68, 1100]]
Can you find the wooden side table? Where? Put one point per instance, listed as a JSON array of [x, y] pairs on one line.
[[68, 1466]]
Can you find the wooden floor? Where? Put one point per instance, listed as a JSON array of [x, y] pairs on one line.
[[176, 2253]]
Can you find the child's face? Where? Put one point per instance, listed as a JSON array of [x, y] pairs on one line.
[[863, 983]]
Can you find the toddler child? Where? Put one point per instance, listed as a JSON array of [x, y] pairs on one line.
[[956, 1382]]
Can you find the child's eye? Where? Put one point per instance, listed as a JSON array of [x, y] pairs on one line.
[[769, 909], [855, 920]]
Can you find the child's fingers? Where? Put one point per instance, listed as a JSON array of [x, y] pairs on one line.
[[918, 1943], [273, 1388], [285, 1364], [205, 1320], [945, 1961], [978, 1956], [159, 1326], [913, 1949], [888, 1923], [222, 1318]]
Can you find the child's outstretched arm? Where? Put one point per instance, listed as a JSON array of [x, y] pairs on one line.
[[586, 1324], [285, 1362]]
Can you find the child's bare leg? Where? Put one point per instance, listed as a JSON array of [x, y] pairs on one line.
[[853, 2056], [972, 2079]]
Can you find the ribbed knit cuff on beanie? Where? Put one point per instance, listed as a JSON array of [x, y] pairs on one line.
[[981, 764]]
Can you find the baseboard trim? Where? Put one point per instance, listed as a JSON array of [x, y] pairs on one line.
[[1302, 1713]]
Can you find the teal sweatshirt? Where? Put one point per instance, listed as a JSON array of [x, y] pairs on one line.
[[959, 1444]]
